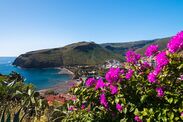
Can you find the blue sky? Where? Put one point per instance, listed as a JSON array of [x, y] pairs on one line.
[[27, 25]]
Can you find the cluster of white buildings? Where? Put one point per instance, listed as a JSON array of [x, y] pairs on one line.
[[112, 63]]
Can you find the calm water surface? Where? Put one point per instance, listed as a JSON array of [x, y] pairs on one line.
[[41, 78]]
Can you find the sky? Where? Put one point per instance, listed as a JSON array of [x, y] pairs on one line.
[[27, 25]]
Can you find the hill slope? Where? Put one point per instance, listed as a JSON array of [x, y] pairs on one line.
[[82, 53], [121, 48], [138, 46], [162, 43]]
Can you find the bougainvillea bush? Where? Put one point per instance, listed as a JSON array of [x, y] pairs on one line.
[[148, 88]]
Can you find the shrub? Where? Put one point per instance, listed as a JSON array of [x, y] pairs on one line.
[[144, 89], [19, 101]]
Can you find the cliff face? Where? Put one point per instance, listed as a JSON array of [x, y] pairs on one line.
[[82, 53]]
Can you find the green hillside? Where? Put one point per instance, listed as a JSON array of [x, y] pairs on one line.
[[121, 48], [138, 46], [81, 53], [162, 43]]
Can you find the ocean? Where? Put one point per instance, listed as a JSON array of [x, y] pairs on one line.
[[40, 78]]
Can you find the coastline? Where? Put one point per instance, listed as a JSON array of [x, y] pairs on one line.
[[66, 71], [60, 87]]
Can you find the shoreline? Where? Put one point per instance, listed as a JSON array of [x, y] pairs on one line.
[[65, 71], [62, 87]]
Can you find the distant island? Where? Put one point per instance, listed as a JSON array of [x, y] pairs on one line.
[[82, 54]]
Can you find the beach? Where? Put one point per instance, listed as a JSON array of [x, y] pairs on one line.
[[65, 71], [62, 87]]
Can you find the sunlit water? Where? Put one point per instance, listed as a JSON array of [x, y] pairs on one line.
[[40, 78]]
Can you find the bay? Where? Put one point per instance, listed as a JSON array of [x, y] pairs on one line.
[[40, 78]]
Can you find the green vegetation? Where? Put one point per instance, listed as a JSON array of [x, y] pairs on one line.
[[147, 88], [138, 46], [161, 42], [139, 98], [19, 102], [82, 53]]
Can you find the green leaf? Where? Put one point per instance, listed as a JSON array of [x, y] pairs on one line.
[[124, 120], [148, 120], [175, 110], [136, 112], [151, 91], [171, 116], [18, 92], [8, 119], [145, 112], [164, 111], [175, 101], [164, 119], [75, 90], [125, 110], [33, 100], [29, 92], [177, 118], [116, 100], [180, 67], [143, 98], [170, 100], [151, 111], [132, 108], [3, 115], [123, 100]]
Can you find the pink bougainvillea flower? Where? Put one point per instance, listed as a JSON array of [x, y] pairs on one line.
[[90, 82], [151, 50], [157, 70], [137, 119], [132, 57], [119, 107], [112, 75], [129, 74], [181, 77], [103, 100], [122, 71], [83, 106], [146, 64], [181, 114], [114, 89], [71, 108], [161, 59], [176, 43], [151, 77], [107, 84], [160, 92], [100, 84]]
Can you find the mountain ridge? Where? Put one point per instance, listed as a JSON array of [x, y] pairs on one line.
[[83, 53]]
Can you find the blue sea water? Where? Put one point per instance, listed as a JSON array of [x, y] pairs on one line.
[[40, 78]]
